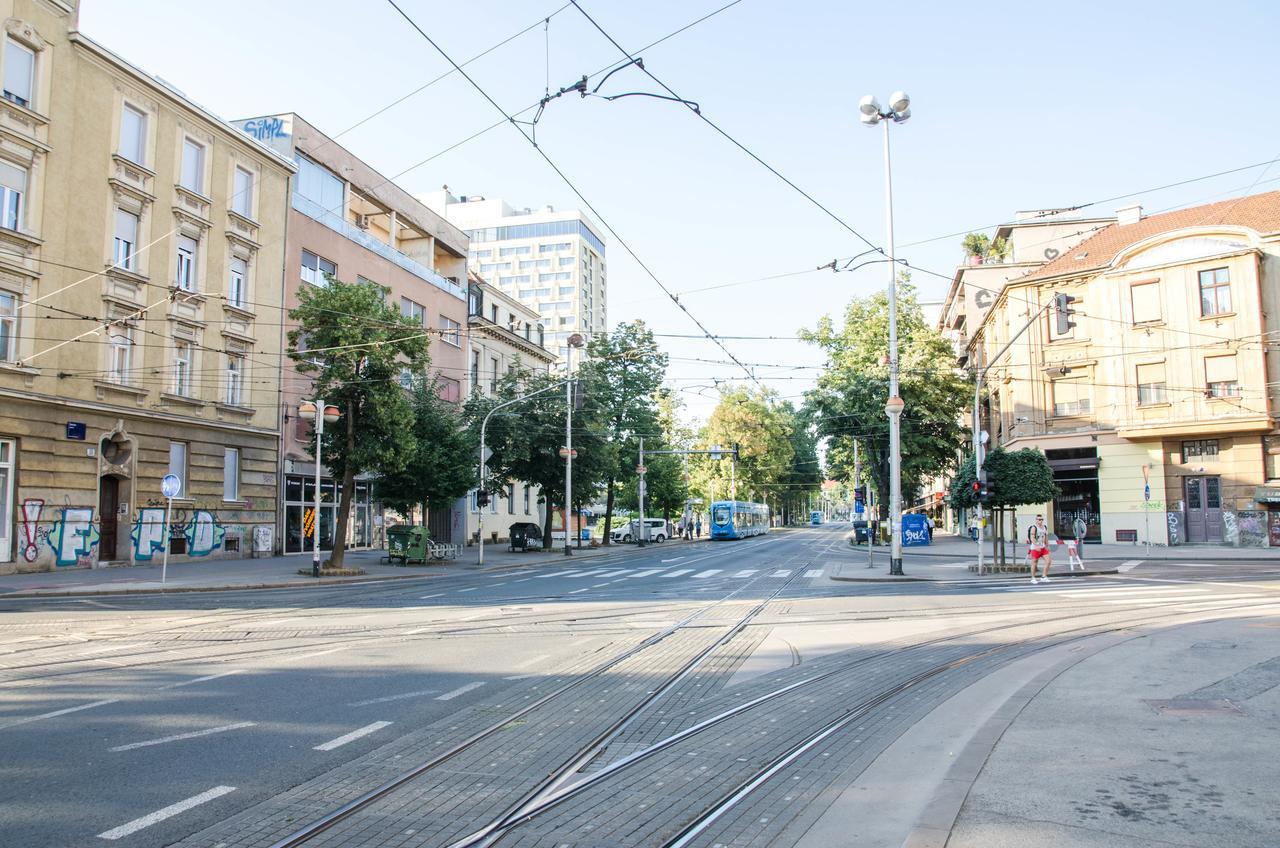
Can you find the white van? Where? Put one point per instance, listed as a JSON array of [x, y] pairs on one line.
[[629, 532]]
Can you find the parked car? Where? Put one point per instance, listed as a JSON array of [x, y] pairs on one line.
[[658, 531]]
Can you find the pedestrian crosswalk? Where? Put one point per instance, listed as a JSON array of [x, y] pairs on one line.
[[1182, 597], [667, 572]]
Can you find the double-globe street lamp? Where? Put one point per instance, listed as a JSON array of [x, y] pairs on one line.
[[871, 114], [310, 410]]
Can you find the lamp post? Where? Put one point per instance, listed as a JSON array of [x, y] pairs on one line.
[[871, 114], [574, 341], [321, 414]]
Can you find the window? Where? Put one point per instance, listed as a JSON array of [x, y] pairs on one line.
[[552, 248], [1215, 292], [13, 188], [19, 73], [450, 331], [557, 276], [186, 274], [514, 251], [495, 266], [1199, 448], [511, 499], [450, 389], [239, 274], [518, 278], [133, 134], [1145, 298], [1070, 397], [126, 240], [242, 193], [493, 313], [8, 327], [182, 368], [415, 312], [493, 379], [566, 260], [235, 379], [1151, 384], [121, 350], [525, 264], [231, 474], [526, 498], [315, 267], [475, 370], [317, 183], [481, 254], [566, 291], [475, 301], [1220, 376], [192, 177], [178, 466]]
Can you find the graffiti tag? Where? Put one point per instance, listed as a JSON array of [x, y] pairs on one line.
[[148, 533], [204, 534], [73, 535], [31, 509]]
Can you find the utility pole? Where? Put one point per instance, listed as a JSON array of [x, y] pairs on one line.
[[640, 470], [573, 341]]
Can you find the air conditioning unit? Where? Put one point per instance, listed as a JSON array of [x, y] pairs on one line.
[[362, 221]]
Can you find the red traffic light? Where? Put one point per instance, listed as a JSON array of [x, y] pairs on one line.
[[975, 486]]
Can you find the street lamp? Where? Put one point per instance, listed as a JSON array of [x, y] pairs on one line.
[[307, 411], [871, 114], [574, 341]]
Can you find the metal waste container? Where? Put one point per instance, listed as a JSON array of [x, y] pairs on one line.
[[407, 543], [525, 534]]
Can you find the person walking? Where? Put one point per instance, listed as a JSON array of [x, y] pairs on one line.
[[1079, 529], [697, 525], [1038, 549]]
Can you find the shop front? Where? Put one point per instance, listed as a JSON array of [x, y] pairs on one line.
[[1075, 473], [299, 506]]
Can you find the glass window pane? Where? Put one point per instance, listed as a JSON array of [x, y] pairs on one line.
[[192, 166], [231, 474], [178, 465], [1212, 493], [1193, 493], [19, 72], [133, 125]]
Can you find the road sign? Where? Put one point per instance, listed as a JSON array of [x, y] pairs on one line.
[[487, 455], [857, 507], [642, 469], [170, 486], [1146, 493], [566, 452]]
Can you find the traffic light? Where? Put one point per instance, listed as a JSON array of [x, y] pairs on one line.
[[1062, 313], [482, 498], [735, 451]]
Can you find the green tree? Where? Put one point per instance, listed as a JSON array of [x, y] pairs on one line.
[[848, 403], [624, 371], [805, 475], [356, 347], [441, 466], [1021, 477], [762, 429]]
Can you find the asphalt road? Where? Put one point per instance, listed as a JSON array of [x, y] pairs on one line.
[[235, 718]]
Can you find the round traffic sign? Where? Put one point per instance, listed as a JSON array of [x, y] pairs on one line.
[[170, 486]]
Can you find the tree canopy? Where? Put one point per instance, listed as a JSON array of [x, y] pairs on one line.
[[1019, 477], [441, 465], [762, 428]]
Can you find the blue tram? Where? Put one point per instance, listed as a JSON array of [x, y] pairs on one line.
[[815, 517], [738, 519]]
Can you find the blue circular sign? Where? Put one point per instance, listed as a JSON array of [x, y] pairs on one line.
[[170, 486]]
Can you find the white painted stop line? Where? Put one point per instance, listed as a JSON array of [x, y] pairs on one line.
[[166, 813], [352, 736]]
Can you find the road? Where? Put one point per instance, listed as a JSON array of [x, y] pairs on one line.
[[721, 694]]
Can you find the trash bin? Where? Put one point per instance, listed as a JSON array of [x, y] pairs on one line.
[[860, 532], [407, 543], [525, 534]]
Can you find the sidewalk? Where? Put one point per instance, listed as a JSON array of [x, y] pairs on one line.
[[281, 572], [947, 559], [953, 546]]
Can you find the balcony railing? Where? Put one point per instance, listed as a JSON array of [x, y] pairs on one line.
[[339, 225]]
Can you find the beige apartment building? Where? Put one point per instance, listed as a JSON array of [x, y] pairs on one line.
[[141, 249], [504, 336], [1156, 410], [348, 221]]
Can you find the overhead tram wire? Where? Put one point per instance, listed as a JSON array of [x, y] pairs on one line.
[[573, 187]]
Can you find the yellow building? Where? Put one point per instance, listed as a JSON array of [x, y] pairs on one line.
[[141, 251], [1155, 410]]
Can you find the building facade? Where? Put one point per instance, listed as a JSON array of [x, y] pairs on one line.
[[1155, 410], [553, 262], [348, 221], [141, 250], [504, 336]]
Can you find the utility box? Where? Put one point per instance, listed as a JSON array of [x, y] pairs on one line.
[[407, 543]]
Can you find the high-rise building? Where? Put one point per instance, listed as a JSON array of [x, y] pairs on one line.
[[551, 261]]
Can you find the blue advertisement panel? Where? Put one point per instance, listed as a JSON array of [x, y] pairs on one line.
[[915, 530]]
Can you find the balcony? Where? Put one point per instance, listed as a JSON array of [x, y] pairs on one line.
[[339, 225]]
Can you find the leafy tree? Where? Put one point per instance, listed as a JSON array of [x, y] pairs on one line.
[[762, 430], [624, 371], [356, 346], [849, 402], [1021, 477], [441, 467], [526, 440], [805, 475]]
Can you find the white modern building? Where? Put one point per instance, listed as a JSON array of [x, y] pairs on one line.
[[552, 261]]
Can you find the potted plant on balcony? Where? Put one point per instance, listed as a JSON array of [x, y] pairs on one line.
[[976, 247]]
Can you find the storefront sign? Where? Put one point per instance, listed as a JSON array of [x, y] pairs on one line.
[[1267, 494]]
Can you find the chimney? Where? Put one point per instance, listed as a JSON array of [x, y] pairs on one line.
[[1129, 214]]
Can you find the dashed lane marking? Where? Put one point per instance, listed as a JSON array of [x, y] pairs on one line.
[[674, 559], [352, 736], [387, 698], [28, 719], [180, 736], [461, 690], [166, 813], [204, 679], [580, 591], [429, 597]]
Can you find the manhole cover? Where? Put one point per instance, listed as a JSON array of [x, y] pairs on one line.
[[1195, 707]]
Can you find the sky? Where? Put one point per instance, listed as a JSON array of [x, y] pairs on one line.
[[1015, 106]]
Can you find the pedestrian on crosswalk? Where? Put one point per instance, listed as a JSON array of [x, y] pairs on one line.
[[1038, 548], [697, 525]]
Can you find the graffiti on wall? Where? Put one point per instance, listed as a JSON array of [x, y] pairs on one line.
[[1175, 527], [31, 533], [148, 533], [73, 535], [204, 533]]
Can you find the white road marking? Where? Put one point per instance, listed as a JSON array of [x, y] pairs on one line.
[[1147, 600], [1203, 604], [385, 698], [613, 573], [781, 572], [461, 690], [813, 572], [1119, 591], [1129, 565], [580, 591], [470, 589], [429, 597], [166, 813], [707, 573], [179, 736], [533, 661], [592, 573], [560, 573], [110, 648], [673, 559], [352, 736], [204, 679], [598, 585], [56, 713], [677, 572], [645, 573]]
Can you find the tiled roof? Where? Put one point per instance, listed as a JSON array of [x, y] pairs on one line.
[[1259, 212]]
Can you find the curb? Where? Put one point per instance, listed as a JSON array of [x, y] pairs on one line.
[[975, 579]]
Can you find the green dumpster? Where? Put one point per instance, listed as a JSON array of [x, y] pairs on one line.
[[407, 543]]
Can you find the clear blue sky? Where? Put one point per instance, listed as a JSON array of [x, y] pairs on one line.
[[1015, 106]]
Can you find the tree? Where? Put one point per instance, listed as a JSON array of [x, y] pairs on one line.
[[805, 475], [441, 466], [624, 371], [1021, 477], [762, 429], [355, 346], [526, 440], [849, 402]]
